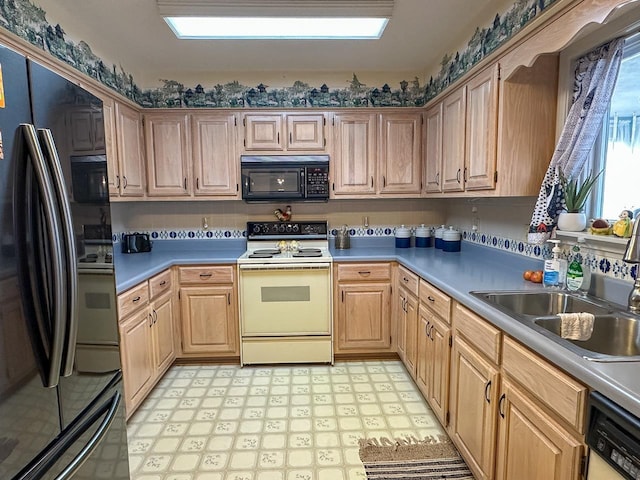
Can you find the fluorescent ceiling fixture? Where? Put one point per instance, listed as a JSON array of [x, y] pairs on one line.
[[277, 27]]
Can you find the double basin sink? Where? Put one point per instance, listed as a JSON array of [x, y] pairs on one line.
[[616, 333]]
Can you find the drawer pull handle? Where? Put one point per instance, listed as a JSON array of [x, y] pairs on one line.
[[163, 283], [487, 389], [364, 273], [205, 275], [136, 300], [431, 299], [406, 280], [500, 411]]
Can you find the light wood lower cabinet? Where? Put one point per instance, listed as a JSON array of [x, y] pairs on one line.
[[136, 352], [407, 316], [147, 342], [209, 317], [433, 361], [474, 395], [362, 308], [532, 445]]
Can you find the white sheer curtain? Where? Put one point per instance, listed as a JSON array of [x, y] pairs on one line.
[[594, 79]]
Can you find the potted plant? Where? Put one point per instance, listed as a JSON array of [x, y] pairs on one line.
[[575, 196]]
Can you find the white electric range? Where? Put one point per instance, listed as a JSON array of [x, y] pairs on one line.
[[285, 294]]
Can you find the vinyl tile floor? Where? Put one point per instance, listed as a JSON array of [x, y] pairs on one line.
[[222, 422]]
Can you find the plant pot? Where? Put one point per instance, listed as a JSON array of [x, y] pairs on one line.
[[572, 222]]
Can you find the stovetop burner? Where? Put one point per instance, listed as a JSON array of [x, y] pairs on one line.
[[307, 254], [260, 255]]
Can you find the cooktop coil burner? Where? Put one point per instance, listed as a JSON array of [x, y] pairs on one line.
[[308, 252]]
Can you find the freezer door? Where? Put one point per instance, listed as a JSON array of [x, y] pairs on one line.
[[29, 417]]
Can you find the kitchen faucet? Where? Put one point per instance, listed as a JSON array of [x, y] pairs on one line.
[[632, 255]]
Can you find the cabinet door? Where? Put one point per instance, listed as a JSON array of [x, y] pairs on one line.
[[263, 132], [363, 317], [531, 445], [354, 159], [401, 321], [130, 151], [424, 363], [306, 132], [209, 320], [482, 130], [136, 352], [433, 149], [440, 358], [164, 344], [167, 149], [82, 131], [113, 172], [473, 408], [400, 153], [454, 109], [410, 334], [214, 154]]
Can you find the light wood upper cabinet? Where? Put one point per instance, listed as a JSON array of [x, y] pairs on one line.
[[531, 444], [263, 132], [433, 149], [279, 132], [400, 141], [168, 154], [362, 316], [454, 108], [481, 130], [354, 158], [306, 132], [461, 137], [129, 139], [215, 163]]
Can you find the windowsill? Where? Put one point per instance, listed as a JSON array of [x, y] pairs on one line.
[[608, 243]]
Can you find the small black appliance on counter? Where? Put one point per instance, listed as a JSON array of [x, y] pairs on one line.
[[136, 243]]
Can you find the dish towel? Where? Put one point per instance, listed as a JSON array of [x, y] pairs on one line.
[[576, 326]]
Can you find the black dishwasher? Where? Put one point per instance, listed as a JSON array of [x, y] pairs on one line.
[[614, 435]]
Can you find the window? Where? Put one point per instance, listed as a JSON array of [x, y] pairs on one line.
[[617, 151]]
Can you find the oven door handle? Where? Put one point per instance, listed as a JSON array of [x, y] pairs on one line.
[[285, 266]]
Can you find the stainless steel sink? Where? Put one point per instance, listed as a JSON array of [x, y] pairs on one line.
[[542, 303], [616, 335]]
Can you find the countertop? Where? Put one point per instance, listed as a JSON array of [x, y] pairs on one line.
[[474, 268]]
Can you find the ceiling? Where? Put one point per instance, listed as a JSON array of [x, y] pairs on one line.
[[131, 33]]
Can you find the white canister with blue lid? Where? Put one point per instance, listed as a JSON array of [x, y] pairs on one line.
[[451, 240], [403, 237], [424, 236], [438, 236]]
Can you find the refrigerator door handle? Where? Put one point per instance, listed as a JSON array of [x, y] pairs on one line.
[[54, 229], [51, 155], [111, 409]]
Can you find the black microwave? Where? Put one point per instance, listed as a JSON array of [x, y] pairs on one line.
[[273, 178], [89, 181]]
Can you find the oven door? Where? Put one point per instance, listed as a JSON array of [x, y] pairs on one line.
[[272, 183], [278, 300]]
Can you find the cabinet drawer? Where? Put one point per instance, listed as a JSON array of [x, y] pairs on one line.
[[159, 284], [200, 275], [484, 337], [133, 299], [559, 392], [364, 272], [435, 300], [408, 280]]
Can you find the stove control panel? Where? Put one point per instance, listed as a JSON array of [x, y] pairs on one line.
[[291, 230]]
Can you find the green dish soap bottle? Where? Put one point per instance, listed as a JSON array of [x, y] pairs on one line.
[[578, 274]]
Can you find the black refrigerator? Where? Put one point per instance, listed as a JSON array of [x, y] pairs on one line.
[[57, 421]]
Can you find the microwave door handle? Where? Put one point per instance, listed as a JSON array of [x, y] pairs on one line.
[[51, 156], [303, 183], [53, 237]]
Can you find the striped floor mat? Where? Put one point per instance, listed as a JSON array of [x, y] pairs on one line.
[[412, 459]]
